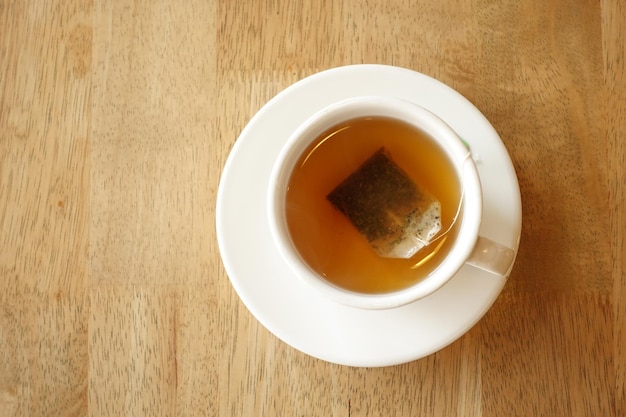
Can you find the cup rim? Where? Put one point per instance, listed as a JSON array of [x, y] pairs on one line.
[[423, 119]]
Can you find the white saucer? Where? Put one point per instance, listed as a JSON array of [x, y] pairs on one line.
[[289, 308]]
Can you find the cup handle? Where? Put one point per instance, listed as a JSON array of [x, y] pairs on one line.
[[492, 257]]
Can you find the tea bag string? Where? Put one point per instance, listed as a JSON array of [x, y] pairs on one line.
[[441, 235]]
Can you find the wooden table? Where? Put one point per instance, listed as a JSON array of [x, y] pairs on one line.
[[116, 120]]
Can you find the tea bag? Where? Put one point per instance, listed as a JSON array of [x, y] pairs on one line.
[[397, 216]]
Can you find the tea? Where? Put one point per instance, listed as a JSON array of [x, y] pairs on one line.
[[328, 241]]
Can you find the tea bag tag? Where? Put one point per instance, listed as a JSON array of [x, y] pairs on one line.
[[396, 216]]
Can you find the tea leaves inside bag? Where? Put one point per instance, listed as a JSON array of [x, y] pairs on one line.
[[397, 216]]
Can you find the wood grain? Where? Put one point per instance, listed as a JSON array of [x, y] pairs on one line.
[[614, 54], [116, 120], [152, 140], [44, 206]]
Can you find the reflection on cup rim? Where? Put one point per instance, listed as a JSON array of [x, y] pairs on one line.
[[414, 115]]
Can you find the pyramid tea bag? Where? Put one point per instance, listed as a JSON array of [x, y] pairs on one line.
[[397, 216]]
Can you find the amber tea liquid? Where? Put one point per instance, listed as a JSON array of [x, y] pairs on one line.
[[326, 239]]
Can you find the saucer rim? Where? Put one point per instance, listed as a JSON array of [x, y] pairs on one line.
[[281, 330]]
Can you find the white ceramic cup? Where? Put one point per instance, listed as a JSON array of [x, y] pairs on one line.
[[468, 247]]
